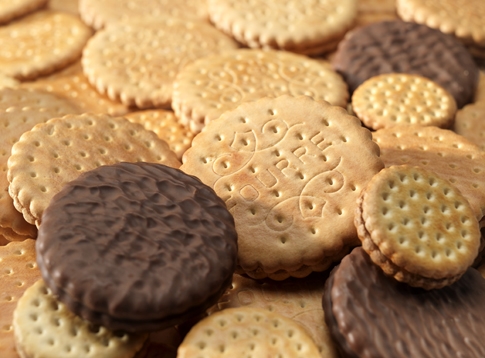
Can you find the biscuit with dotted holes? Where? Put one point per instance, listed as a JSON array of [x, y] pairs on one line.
[[18, 271], [442, 151], [247, 331], [136, 62], [98, 14], [208, 87], [56, 152], [72, 84], [166, 125], [289, 170], [417, 227], [58, 41], [10, 9], [298, 299], [469, 123], [44, 327], [296, 26], [392, 99]]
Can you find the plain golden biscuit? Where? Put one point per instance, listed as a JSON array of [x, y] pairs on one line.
[[469, 122], [136, 62], [376, 6], [10, 9], [56, 152], [44, 327], [247, 331], [289, 170], [417, 227], [480, 93], [392, 99], [70, 6]]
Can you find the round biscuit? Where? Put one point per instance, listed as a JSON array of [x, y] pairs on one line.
[[480, 93], [70, 6], [11, 9], [470, 124]]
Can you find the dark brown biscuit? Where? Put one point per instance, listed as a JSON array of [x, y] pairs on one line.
[[372, 315], [137, 247], [403, 47]]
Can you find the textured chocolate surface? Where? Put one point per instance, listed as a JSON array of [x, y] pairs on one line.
[[403, 47], [137, 247], [375, 316]]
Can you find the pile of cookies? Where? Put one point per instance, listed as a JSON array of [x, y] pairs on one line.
[[242, 178]]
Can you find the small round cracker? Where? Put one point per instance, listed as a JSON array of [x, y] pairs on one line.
[[208, 87], [44, 327], [41, 43], [54, 153], [166, 125], [417, 227], [392, 99], [10, 9], [18, 271], [135, 62], [469, 122], [247, 331]]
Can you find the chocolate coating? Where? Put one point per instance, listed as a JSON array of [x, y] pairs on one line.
[[372, 315], [137, 246], [404, 47]]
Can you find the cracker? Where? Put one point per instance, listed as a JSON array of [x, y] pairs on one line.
[[289, 170], [417, 227], [54, 153], [298, 299], [392, 99], [44, 327], [10, 9], [72, 84], [247, 331], [470, 124], [284, 25], [213, 85], [166, 125], [98, 14], [18, 271], [441, 151], [59, 40], [136, 62]]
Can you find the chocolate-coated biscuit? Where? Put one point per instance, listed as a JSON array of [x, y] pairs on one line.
[[137, 246], [372, 315], [402, 47]]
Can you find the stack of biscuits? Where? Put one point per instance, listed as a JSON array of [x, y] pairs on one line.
[[242, 178]]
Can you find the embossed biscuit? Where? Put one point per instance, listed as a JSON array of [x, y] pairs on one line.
[[44, 327], [53, 153], [166, 125], [243, 331], [10, 9], [442, 151], [392, 99], [59, 40], [289, 170], [284, 25], [470, 124], [18, 271], [298, 299], [208, 87], [417, 227], [135, 62]]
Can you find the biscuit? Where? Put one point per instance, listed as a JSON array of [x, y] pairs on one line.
[[247, 331], [56, 152], [289, 170], [208, 87], [136, 62], [70, 6], [391, 99], [470, 124], [11, 9], [480, 93], [376, 6], [417, 227]]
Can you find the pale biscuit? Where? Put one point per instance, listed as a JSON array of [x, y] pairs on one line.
[[417, 227], [18, 271], [441, 151], [246, 331], [208, 87], [72, 84], [166, 125], [41, 43], [10, 9], [298, 299], [469, 122], [54, 153], [392, 99], [98, 13], [44, 327], [136, 62], [295, 26], [289, 170]]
